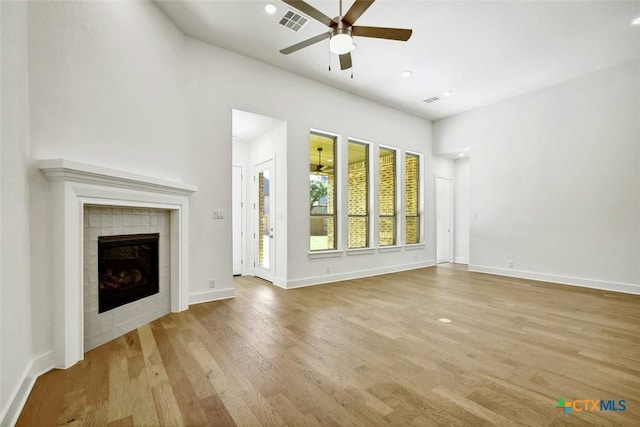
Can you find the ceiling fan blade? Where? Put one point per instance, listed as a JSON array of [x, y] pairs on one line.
[[357, 9], [345, 61], [382, 33], [308, 42], [312, 12]]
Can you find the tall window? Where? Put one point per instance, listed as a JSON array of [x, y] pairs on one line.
[[412, 198], [387, 197], [358, 195], [322, 192]]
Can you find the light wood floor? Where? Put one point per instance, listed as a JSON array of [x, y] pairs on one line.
[[366, 352]]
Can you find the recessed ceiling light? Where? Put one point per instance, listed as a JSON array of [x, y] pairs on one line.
[[447, 93], [461, 155], [636, 21], [270, 8], [406, 74], [444, 320]]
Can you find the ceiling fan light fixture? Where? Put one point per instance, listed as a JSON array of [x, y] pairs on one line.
[[270, 8], [341, 42]]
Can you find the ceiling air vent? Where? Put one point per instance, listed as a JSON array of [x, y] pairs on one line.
[[432, 100], [292, 20]]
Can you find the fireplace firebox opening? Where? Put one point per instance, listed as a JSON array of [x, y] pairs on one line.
[[127, 269]]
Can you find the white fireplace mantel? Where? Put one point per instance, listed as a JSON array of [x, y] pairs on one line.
[[74, 184]]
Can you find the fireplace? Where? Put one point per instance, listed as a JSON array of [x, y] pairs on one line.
[[127, 269], [128, 266], [75, 187]]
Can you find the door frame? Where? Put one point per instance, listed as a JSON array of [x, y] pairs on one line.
[[270, 273], [450, 182], [238, 187]]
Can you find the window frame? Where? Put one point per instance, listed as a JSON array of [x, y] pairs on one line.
[[367, 215], [396, 186], [335, 198], [419, 198]]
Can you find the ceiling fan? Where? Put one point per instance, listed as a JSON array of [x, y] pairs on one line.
[[320, 167], [342, 30]]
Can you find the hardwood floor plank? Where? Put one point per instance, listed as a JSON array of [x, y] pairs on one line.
[[122, 422], [185, 396], [98, 371], [290, 413], [167, 409], [217, 413], [120, 396], [366, 352], [73, 409]]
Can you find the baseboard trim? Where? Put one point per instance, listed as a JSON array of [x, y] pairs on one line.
[[38, 366], [280, 282], [459, 260], [626, 288], [331, 278], [213, 295]]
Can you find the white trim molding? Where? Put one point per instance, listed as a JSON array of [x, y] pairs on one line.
[[212, 295], [75, 184], [330, 278], [563, 280], [35, 368], [72, 171]]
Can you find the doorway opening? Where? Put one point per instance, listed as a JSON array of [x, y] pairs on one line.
[[444, 220], [257, 143]]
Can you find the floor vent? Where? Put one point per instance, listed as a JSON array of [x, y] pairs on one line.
[[432, 100], [292, 20]]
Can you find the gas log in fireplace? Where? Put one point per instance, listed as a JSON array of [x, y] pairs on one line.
[[127, 269]]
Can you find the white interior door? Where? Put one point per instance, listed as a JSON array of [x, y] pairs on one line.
[[444, 219], [264, 232], [236, 219]]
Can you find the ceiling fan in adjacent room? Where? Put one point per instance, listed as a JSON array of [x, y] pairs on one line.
[[320, 167], [342, 30]]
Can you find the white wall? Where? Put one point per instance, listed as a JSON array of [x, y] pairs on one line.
[[462, 214], [107, 88], [117, 85], [555, 180], [248, 85], [15, 261]]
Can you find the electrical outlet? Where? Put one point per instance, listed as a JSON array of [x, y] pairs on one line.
[[212, 283], [328, 269], [217, 214]]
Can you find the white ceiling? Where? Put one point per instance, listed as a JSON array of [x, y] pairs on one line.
[[483, 51], [249, 126]]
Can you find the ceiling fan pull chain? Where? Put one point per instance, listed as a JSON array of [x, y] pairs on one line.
[[329, 60]]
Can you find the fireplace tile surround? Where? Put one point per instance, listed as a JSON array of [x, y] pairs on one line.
[[75, 185], [100, 328]]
